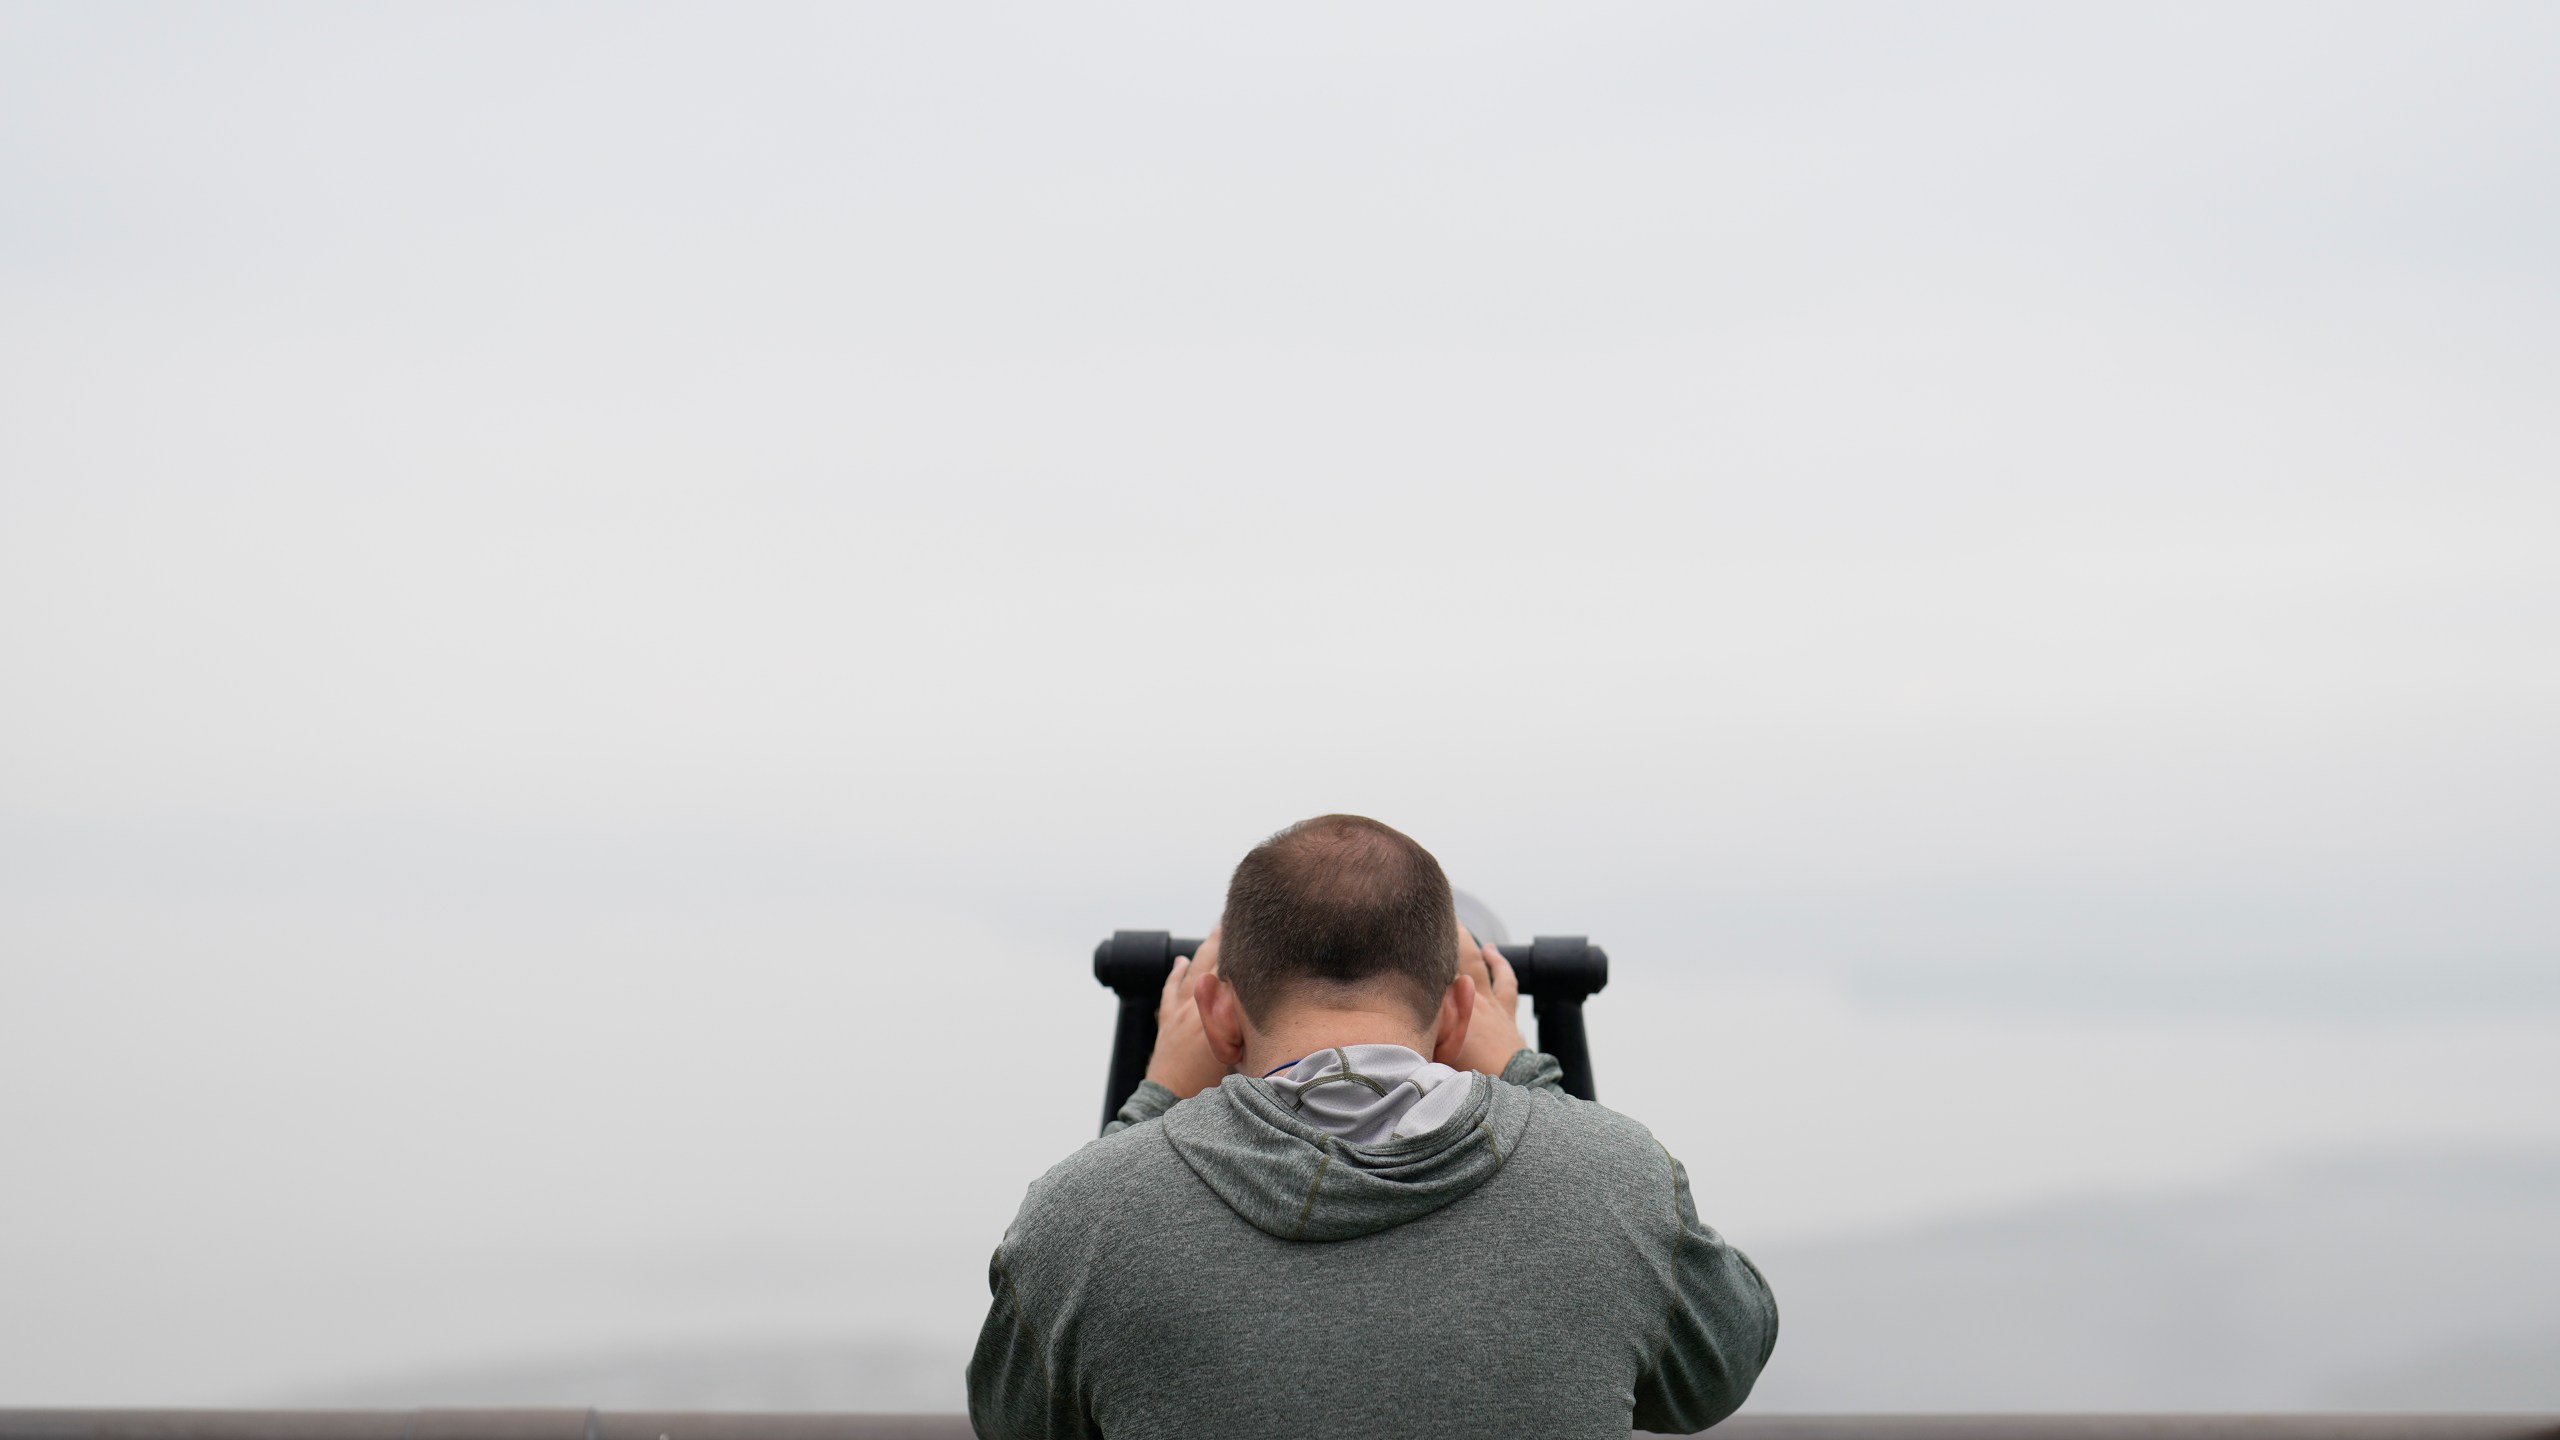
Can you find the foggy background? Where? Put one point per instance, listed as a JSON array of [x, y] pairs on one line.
[[599, 604]]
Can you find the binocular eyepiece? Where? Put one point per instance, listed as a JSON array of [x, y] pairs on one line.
[[1556, 972]]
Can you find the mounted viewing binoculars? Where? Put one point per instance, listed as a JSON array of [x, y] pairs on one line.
[[1557, 973]]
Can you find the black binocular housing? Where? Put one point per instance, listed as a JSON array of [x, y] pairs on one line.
[[1557, 973]]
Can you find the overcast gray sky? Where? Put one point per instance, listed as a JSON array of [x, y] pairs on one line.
[[583, 584]]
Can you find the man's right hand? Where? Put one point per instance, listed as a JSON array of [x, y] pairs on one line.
[[1493, 1031], [1183, 1062]]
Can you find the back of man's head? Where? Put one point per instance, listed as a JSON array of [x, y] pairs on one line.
[[1338, 903]]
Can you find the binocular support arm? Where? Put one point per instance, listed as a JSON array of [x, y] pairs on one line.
[[1557, 973], [1134, 964]]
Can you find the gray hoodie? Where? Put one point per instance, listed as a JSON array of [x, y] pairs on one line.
[[1223, 1268]]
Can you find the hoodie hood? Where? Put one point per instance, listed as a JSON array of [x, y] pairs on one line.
[[1289, 1179], [1371, 1094]]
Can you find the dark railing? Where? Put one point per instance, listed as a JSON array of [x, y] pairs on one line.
[[712, 1425]]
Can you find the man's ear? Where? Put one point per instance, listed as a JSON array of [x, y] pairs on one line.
[[1449, 1028], [1221, 1018]]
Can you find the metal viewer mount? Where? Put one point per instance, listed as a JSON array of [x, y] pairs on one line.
[[1557, 973]]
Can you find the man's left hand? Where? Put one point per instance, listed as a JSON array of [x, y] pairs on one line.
[[1183, 1062]]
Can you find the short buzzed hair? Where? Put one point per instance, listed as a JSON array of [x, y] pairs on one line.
[[1340, 901]]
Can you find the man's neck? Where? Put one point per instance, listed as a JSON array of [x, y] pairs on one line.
[[1301, 1031]]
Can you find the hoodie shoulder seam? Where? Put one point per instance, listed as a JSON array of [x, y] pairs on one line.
[[1679, 1246], [1306, 1212], [1022, 1321]]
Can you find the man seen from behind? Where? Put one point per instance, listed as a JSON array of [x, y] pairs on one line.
[[1350, 1201]]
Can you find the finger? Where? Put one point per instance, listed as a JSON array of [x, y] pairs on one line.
[[1506, 984], [1173, 992], [1185, 969]]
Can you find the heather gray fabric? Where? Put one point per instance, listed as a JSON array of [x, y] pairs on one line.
[[1221, 1268], [1369, 1094]]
